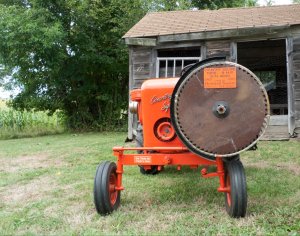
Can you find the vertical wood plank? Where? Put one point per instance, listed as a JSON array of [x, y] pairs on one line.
[[296, 74], [233, 52], [142, 66], [290, 85], [203, 52], [154, 67], [130, 85]]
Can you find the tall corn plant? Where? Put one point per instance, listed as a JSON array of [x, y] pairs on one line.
[[15, 123]]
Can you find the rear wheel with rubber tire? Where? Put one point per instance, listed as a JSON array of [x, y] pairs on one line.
[[153, 171], [106, 197], [139, 138], [235, 179]]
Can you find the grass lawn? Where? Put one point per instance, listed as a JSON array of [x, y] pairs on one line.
[[46, 186]]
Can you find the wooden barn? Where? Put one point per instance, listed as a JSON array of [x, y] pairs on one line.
[[264, 39]]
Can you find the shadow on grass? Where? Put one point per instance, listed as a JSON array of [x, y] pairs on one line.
[[175, 187], [186, 187]]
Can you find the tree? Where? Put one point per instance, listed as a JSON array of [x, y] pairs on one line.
[[68, 55], [216, 4], [167, 5], [269, 2]]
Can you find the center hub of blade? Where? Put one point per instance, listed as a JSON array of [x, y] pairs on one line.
[[221, 109]]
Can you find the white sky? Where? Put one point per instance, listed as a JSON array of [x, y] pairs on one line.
[[4, 94], [275, 2]]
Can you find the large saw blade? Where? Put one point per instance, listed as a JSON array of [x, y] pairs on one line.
[[219, 109]]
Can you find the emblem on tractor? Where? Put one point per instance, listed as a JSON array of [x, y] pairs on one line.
[[166, 99]]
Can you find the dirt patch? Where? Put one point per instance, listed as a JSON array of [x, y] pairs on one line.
[[35, 190], [291, 167], [259, 164], [295, 199], [294, 168], [78, 214], [153, 221], [13, 165]]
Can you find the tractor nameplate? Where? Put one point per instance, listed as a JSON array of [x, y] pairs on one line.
[[142, 159]]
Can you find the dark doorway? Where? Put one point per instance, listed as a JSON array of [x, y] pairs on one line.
[[267, 59]]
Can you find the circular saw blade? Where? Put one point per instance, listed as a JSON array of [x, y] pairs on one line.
[[215, 120]]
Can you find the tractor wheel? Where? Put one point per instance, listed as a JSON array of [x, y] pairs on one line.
[[153, 171], [139, 139], [106, 198], [236, 199], [233, 158]]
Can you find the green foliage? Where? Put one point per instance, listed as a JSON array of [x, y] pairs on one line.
[[165, 5], [269, 2], [16, 124], [208, 4], [69, 55]]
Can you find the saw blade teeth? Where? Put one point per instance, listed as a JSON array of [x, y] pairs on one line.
[[237, 136]]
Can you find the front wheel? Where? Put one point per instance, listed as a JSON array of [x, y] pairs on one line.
[[106, 197], [235, 180]]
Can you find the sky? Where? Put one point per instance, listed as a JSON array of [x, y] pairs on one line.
[[275, 2], [4, 94]]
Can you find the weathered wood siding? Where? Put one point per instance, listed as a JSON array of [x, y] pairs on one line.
[[217, 48], [221, 49], [141, 67], [296, 79]]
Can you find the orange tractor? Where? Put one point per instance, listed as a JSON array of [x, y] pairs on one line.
[[207, 117]]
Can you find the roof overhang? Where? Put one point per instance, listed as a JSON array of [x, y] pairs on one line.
[[149, 42], [208, 35], [223, 34]]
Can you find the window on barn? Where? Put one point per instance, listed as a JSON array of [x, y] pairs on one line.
[[170, 62]]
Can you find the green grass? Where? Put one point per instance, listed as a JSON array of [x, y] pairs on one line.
[[46, 186], [18, 124]]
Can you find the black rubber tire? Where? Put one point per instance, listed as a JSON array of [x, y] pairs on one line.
[[153, 171], [233, 158], [102, 199], [236, 200], [139, 140]]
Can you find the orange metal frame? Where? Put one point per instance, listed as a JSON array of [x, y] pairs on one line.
[[176, 156]]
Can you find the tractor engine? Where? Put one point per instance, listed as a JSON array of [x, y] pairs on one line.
[[216, 108], [152, 103]]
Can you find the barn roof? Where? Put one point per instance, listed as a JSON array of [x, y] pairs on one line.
[[193, 21]]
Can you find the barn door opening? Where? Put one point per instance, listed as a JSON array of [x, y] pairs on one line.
[[267, 59]]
